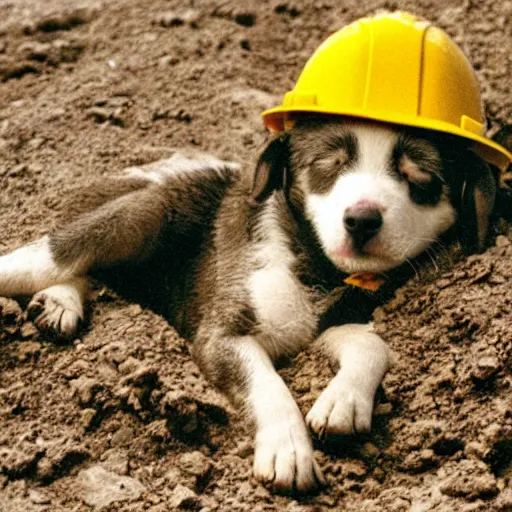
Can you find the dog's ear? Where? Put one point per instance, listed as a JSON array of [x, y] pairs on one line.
[[504, 199], [504, 137], [272, 169], [478, 187]]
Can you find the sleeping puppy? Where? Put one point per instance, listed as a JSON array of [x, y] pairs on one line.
[[251, 268]]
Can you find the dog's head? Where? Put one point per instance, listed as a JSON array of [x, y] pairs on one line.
[[376, 194]]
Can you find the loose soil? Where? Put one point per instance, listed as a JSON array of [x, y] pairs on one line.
[[120, 419]]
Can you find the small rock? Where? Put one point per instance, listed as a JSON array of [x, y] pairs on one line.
[[38, 497], [184, 498], [55, 114], [181, 412], [87, 418], [476, 449], [167, 60], [76, 369], [417, 462], [33, 50], [173, 477], [66, 51], [469, 479], [116, 461], [10, 313], [369, 451], [15, 462], [504, 500], [85, 388], [101, 488], [28, 350], [195, 463], [176, 19], [485, 367], [355, 469], [123, 436], [60, 457], [99, 114], [502, 241], [244, 449], [130, 365], [28, 330]]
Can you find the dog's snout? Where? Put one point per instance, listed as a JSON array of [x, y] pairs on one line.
[[363, 221]]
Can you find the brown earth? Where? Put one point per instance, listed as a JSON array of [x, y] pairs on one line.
[[121, 419]]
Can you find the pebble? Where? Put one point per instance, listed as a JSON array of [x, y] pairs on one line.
[[486, 367], [33, 50], [85, 388], [369, 451], [28, 350], [123, 436], [470, 479], [176, 19], [355, 469], [167, 60], [502, 241], [28, 330], [116, 461], [102, 488], [184, 498], [99, 114], [38, 497], [87, 418], [195, 463]]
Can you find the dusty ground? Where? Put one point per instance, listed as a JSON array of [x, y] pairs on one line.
[[120, 419]]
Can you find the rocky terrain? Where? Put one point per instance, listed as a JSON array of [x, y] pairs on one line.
[[120, 419]]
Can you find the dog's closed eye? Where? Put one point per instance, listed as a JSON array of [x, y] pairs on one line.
[[420, 164], [339, 153]]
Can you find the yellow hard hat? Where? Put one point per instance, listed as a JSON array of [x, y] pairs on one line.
[[394, 68]]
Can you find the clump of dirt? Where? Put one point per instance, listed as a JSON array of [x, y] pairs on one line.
[[120, 418]]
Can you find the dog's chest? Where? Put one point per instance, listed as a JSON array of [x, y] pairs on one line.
[[285, 309]]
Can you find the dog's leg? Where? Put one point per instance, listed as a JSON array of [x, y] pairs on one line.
[[283, 453], [346, 404], [122, 230]]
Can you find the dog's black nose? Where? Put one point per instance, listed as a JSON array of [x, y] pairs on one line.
[[363, 222]]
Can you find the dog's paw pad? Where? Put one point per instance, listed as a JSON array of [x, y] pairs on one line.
[[342, 408], [50, 314]]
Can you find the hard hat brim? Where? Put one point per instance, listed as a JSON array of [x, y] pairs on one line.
[[276, 118]]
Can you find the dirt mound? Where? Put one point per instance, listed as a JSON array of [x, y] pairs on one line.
[[120, 418]]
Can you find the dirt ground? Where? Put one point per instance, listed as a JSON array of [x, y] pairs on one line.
[[120, 419]]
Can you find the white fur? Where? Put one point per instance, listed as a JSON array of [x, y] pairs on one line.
[[283, 453], [61, 307], [281, 301], [346, 405], [179, 163], [408, 229], [30, 269]]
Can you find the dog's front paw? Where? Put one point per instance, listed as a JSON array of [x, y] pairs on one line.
[[55, 313], [283, 457], [342, 408]]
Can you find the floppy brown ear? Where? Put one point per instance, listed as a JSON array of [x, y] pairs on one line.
[[504, 137], [272, 169], [478, 195]]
